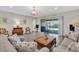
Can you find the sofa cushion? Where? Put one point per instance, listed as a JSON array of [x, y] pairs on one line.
[[73, 36], [74, 47], [60, 49], [23, 46], [66, 42]]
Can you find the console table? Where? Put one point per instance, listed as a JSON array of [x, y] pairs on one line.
[[18, 31]]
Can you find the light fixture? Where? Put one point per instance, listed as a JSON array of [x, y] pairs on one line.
[[55, 8], [34, 11]]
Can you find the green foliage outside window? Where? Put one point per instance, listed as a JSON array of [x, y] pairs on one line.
[[53, 26]]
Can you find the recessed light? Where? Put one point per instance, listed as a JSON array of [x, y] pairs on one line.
[[10, 6], [55, 8]]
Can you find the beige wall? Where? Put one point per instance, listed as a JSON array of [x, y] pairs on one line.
[[14, 19], [70, 18]]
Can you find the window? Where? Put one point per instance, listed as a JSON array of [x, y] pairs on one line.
[[51, 25]]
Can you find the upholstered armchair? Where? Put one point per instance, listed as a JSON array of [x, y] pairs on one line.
[[64, 46]]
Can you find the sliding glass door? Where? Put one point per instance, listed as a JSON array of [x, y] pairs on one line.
[[52, 26]]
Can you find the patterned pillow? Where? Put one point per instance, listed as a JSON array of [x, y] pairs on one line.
[[32, 46]]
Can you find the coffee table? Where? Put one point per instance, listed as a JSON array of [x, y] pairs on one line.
[[51, 41]]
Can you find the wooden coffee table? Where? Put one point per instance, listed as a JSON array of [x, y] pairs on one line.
[[46, 43]]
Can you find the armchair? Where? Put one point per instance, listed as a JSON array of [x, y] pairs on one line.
[[64, 46]]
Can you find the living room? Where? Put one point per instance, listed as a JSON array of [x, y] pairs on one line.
[[48, 25]]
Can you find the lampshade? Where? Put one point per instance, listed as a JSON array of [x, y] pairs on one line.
[[76, 24]]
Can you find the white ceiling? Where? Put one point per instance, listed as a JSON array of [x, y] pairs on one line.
[[43, 10]]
